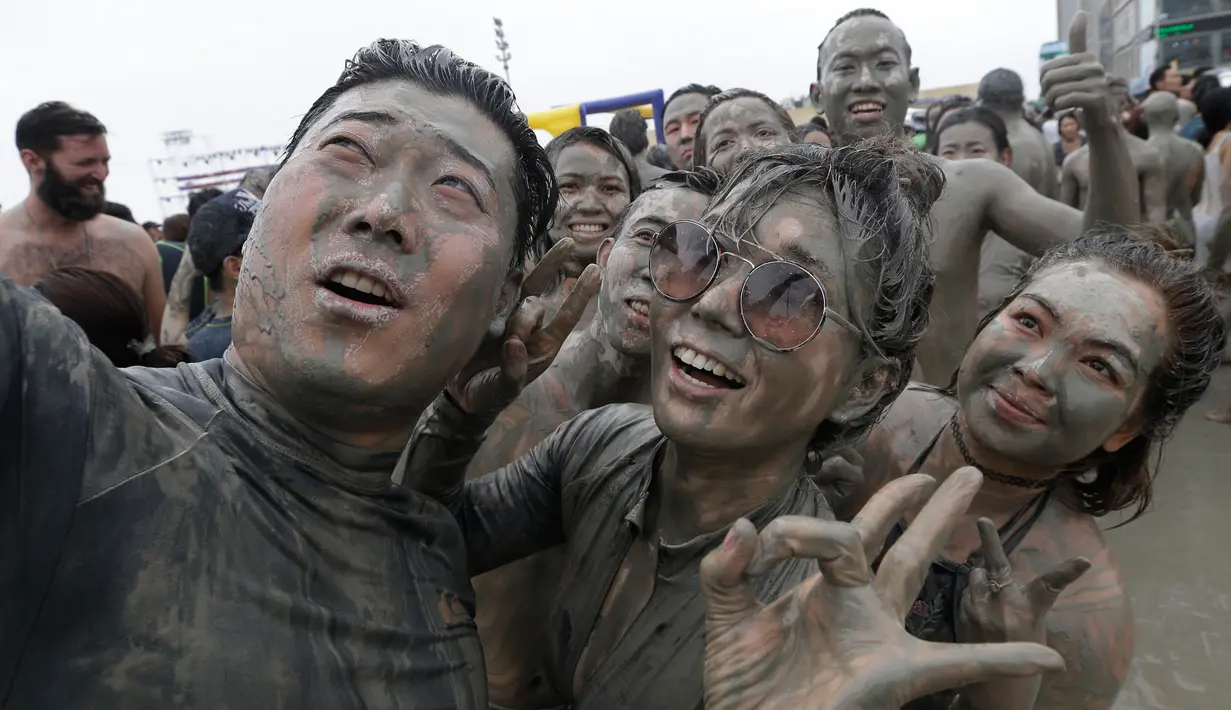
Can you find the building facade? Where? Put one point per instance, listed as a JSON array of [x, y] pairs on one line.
[[1133, 37]]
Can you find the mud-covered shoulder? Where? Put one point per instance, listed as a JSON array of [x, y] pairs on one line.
[[1091, 624], [893, 443]]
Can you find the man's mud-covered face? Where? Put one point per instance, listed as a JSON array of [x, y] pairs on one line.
[[380, 253], [866, 83], [594, 190], [624, 298], [738, 125], [680, 127], [715, 388]]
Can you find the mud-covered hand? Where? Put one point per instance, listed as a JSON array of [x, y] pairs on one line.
[[509, 361], [836, 641], [838, 475], [1077, 80], [996, 608]]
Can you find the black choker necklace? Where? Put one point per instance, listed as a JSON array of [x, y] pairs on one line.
[[1016, 481]]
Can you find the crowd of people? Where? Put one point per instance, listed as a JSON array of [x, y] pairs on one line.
[[766, 416]]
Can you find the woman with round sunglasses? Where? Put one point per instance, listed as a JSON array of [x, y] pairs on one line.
[[1063, 401], [785, 322]]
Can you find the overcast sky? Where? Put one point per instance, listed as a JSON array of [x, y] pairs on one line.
[[242, 72]]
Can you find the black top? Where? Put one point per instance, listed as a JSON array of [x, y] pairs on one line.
[[933, 616], [174, 538]]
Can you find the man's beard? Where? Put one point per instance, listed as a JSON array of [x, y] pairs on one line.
[[68, 199]]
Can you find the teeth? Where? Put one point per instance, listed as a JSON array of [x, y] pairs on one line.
[[860, 108], [640, 307], [692, 358], [588, 228], [359, 282]]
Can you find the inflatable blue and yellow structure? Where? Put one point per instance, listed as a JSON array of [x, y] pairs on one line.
[[561, 118]]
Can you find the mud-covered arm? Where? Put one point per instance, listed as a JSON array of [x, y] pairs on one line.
[[179, 301], [1196, 180], [1154, 192], [1091, 625], [1026, 219], [1114, 196], [1051, 172], [151, 284], [441, 448], [505, 515]]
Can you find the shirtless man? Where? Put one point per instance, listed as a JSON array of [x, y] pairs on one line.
[[1183, 163], [60, 223], [1075, 179], [681, 112], [865, 83], [604, 363], [1001, 91]]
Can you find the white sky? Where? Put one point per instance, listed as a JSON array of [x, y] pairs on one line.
[[242, 72]]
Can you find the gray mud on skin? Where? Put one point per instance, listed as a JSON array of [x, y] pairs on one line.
[[1177, 569]]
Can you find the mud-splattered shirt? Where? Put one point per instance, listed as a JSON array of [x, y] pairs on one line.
[[586, 486], [174, 539]]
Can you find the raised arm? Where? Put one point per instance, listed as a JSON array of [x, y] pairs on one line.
[[1077, 81], [1023, 217]]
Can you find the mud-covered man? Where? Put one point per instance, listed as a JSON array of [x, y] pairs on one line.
[[865, 83], [226, 534], [1183, 163], [1002, 91], [681, 112], [604, 363], [61, 222]]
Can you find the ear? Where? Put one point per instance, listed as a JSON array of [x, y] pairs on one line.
[[814, 93], [1122, 436], [873, 378], [232, 265], [1008, 155], [604, 251], [32, 162], [914, 84], [509, 293]]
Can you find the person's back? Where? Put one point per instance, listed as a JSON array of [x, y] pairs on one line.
[[1001, 90], [1183, 163]]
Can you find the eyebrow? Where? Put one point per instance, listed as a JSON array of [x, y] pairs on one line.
[[794, 252], [384, 118], [1118, 348]]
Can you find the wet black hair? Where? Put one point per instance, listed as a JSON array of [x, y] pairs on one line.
[[602, 139], [1125, 479], [977, 114], [438, 70], [706, 90], [1002, 88], [1202, 86], [631, 128], [854, 15], [1216, 110], [659, 157], [699, 157], [110, 313], [40, 128], [702, 180], [1158, 75], [878, 192], [119, 211], [198, 199]]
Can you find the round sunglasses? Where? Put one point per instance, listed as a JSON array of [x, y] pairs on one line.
[[782, 304]]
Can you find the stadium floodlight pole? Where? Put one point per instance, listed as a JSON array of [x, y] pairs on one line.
[[503, 46]]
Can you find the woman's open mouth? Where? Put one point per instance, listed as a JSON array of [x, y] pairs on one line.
[[589, 231]]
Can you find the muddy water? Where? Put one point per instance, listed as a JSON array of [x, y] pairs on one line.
[[1177, 564]]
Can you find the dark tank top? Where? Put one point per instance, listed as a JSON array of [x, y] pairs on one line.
[[933, 616]]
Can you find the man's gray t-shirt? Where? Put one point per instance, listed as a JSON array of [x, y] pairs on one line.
[[587, 486], [173, 538]]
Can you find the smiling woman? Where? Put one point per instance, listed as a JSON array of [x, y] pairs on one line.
[[597, 178], [1062, 401]]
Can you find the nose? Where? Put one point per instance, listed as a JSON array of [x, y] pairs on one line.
[[587, 200], [864, 80], [100, 173], [384, 216], [718, 306], [1037, 371], [688, 131]]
